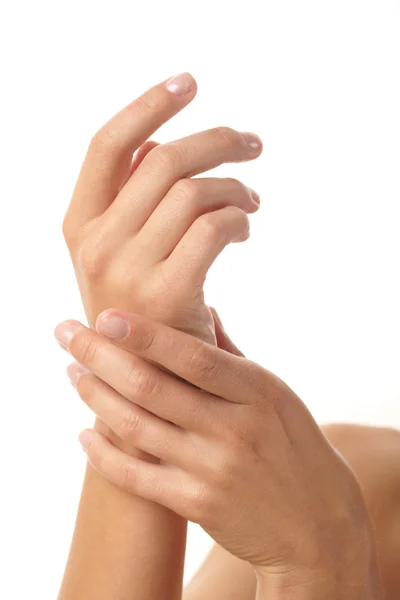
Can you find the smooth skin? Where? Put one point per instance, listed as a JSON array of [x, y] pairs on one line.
[[142, 232], [125, 547], [240, 454]]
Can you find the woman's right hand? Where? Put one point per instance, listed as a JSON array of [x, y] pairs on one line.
[[241, 455], [143, 234]]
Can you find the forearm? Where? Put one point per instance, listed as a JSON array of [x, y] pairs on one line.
[[124, 547]]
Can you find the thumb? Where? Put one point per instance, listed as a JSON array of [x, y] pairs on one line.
[[223, 340]]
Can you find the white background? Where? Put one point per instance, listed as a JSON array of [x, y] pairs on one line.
[[313, 295]]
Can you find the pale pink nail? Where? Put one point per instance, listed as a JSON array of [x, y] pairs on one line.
[[180, 84], [64, 332], [75, 371], [113, 327], [252, 140], [85, 437]]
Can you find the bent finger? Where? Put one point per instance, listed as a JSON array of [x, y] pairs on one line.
[[187, 200], [203, 242], [156, 482], [134, 424], [142, 383], [108, 158], [170, 162]]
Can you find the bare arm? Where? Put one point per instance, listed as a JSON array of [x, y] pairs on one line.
[[123, 547]]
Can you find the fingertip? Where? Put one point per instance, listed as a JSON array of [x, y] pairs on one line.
[[243, 237], [253, 141], [182, 85], [86, 438]]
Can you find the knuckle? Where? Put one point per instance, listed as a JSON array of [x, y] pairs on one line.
[[245, 219], [146, 383], [245, 436], [275, 400], [259, 381], [90, 258], [127, 475], [130, 425], [236, 183], [211, 228], [166, 156], [143, 382], [226, 135], [246, 442], [240, 216], [71, 231], [226, 468], [149, 102], [203, 364], [186, 189], [196, 503], [144, 340], [83, 348], [104, 138], [66, 229]]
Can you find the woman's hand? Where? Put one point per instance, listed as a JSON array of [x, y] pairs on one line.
[[143, 234], [240, 454]]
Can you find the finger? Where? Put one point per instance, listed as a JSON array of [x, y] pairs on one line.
[[109, 155], [204, 241], [133, 424], [170, 162], [187, 200], [209, 368], [138, 157], [140, 382], [223, 340], [156, 482], [141, 153]]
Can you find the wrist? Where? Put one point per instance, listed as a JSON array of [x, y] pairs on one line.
[[330, 583]]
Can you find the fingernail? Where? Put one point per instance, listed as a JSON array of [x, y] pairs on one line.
[[75, 371], [252, 140], [180, 84], [255, 196], [64, 332], [85, 437], [113, 327]]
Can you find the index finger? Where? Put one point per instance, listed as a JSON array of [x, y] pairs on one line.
[[209, 368], [109, 156]]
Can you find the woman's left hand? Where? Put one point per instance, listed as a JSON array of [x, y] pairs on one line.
[[240, 453]]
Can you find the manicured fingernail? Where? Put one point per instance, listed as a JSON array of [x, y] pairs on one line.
[[113, 327], [75, 371], [255, 196], [64, 332], [180, 84], [252, 140], [85, 437]]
